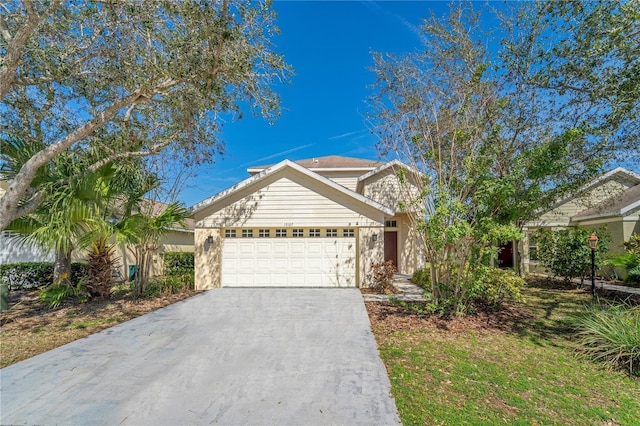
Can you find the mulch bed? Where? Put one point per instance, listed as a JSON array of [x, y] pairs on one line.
[[377, 290], [29, 328], [388, 318]]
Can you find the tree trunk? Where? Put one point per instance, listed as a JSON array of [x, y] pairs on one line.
[[62, 267]]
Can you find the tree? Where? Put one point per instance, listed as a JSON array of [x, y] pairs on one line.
[[143, 231], [471, 112], [129, 81], [77, 210]]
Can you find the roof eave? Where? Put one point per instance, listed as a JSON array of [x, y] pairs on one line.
[[279, 166]]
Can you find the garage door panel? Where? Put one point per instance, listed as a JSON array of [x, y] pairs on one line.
[[288, 262]]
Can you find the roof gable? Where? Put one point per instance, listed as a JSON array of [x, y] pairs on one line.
[[391, 166], [621, 205], [257, 181], [618, 172]]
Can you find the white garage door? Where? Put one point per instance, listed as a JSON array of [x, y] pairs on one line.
[[289, 262]]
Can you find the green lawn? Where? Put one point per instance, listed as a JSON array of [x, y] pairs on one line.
[[521, 371]]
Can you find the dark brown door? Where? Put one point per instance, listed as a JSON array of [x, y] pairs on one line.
[[505, 255], [391, 247]]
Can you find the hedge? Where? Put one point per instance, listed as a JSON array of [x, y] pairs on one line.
[[178, 263], [29, 275]]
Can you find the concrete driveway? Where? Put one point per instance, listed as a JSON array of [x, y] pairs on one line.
[[227, 356]]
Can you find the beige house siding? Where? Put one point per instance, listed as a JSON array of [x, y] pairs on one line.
[[172, 241], [562, 214], [348, 179], [208, 259], [410, 251], [291, 202], [386, 189], [369, 251]]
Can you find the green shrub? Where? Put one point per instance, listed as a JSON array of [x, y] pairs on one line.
[[501, 285], [422, 278], [169, 284], [629, 260], [178, 263], [565, 253], [610, 333], [54, 294], [29, 275]]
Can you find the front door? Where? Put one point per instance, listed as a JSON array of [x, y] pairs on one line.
[[391, 247], [505, 255]]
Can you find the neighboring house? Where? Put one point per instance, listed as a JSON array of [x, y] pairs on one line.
[[179, 238], [611, 200], [318, 223], [14, 250]]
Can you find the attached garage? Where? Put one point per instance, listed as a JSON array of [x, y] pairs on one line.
[[287, 227], [289, 262]]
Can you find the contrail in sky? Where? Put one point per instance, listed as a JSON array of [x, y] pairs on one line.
[[344, 135], [298, 148]]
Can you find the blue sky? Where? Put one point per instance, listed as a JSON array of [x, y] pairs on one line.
[[329, 44]]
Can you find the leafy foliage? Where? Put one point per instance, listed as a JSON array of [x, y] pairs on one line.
[[500, 286], [383, 273], [127, 82], [629, 260], [421, 277], [610, 332], [170, 284], [100, 269], [143, 231], [496, 126], [565, 253], [28, 275], [56, 293], [178, 263]]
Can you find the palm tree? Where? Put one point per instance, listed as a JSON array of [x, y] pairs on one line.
[[79, 207], [143, 232]]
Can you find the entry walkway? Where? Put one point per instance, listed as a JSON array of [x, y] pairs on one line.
[[613, 287], [409, 291]]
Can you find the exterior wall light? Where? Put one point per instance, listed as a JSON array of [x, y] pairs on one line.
[[374, 237], [210, 239]]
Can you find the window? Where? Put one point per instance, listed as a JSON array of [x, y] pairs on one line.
[[314, 232], [332, 233], [230, 233], [391, 224], [281, 233], [263, 233], [298, 232], [348, 232], [533, 248], [247, 233]]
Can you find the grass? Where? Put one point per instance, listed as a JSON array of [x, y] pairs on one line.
[[522, 372]]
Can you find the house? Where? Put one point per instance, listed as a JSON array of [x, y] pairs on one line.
[[611, 200], [178, 238], [319, 222], [14, 250]]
